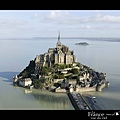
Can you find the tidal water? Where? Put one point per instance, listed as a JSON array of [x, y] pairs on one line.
[[18, 98], [101, 55]]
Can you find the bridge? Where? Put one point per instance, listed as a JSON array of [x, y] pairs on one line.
[[79, 101]]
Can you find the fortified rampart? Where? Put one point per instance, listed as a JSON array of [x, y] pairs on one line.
[[59, 90], [100, 87], [97, 87], [89, 89]]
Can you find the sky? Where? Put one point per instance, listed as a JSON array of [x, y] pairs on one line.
[[70, 23]]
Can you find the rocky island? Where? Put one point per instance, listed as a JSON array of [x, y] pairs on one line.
[[57, 70], [82, 43]]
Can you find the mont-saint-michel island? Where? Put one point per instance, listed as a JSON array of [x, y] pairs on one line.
[[58, 70]]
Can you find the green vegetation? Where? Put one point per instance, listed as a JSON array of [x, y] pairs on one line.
[[75, 71], [78, 64], [54, 72], [58, 84], [45, 70], [62, 66], [28, 70], [58, 76], [38, 84]]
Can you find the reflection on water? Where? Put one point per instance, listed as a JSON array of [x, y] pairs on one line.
[[14, 97], [27, 91], [50, 100]]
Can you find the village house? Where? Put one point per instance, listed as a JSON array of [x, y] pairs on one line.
[[25, 82]]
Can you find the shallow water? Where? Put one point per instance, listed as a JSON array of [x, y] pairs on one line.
[[103, 56], [18, 98]]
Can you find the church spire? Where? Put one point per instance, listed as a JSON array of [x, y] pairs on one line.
[[59, 36], [58, 42]]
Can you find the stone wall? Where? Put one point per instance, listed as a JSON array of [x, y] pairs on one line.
[[100, 87], [89, 89], [57, 80], [60, 90]]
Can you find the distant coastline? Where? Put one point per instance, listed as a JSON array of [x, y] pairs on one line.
[[85, 38]]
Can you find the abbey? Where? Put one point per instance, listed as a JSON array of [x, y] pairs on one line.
[[61, 54], [59, 65]]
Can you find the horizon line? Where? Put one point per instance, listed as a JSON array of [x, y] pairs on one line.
[[54, 37]]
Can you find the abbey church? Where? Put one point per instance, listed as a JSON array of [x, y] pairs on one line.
[[58, 55]]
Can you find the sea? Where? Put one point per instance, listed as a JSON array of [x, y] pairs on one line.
[[102, 55]]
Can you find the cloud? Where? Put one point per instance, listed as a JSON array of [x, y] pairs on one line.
[[85, 26], [12, 23], [104, 18], [103, 27], [38, 15], [61, 17], [57, 17], [64, 17], [35, 15]]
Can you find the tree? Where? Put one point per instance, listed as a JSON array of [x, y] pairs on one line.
[[75, 71], [38, 84], [61, 76], [55, 76], [28, 70], [44, 70]]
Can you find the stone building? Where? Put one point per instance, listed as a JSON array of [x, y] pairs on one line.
[[61, 54], [25, 82]]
